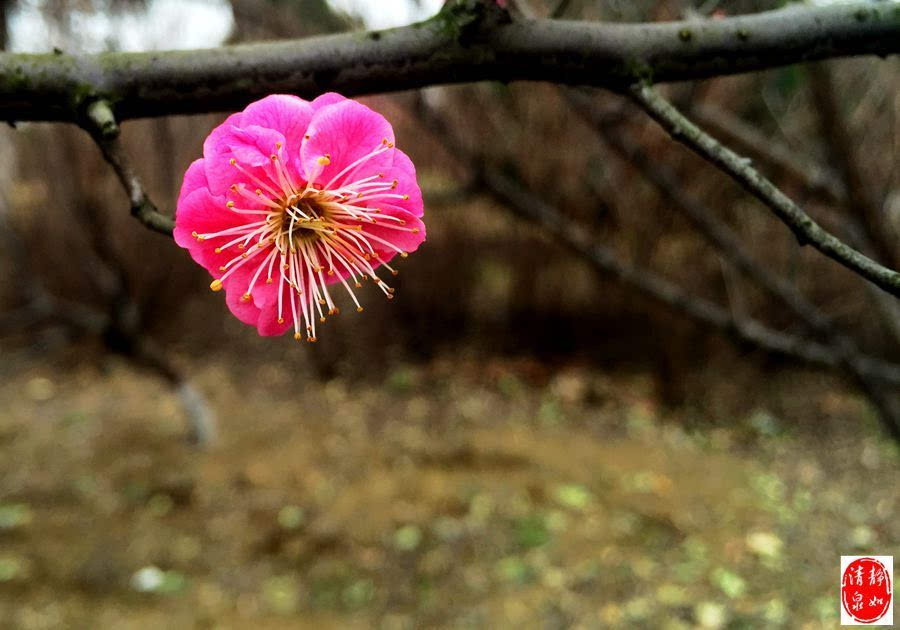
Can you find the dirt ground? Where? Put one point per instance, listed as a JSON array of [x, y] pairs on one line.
[[463, 493]]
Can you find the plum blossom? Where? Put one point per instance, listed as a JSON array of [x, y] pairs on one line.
[[293, 197]]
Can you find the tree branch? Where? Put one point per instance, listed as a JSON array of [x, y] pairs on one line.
[[739, 169], [466, 41], [100, 123], [729, 244], [529, 206], [814, 177]]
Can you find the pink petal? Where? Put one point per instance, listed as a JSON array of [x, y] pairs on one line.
[[251, 146], [268, 325], [194, 178], [407, 241], [235, 287], [404, 172], [201, 212], [329, 98], [286, 114], [345, 132], [216, 153]]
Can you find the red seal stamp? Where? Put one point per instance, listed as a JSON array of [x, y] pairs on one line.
[[867, 590]]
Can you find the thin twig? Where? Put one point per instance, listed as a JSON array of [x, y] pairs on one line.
[[529, 206], [814, 177], [730, 246], [100, 122], [740, 169], [843, 151]]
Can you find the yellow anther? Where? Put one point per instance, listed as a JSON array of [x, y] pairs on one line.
[[232, 161], [359, 309], [246, 297], [331, 272], [218, 250], [195, 235], [285, 266], [321, 302], [229, 204], [415, 230], [216, 285], [268, 280], [403, 254], [258, 192], [311, 339], [390, 145], [222, 267], [324, 161], [278, 145], [405, 197], [358, 285], [384, 141], [394, 272], [298, 336], [322, 320], [281, 320], [245, 255], [367, 257], [394, 184]]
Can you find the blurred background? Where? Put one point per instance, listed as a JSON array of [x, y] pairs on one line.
[[517, 439]]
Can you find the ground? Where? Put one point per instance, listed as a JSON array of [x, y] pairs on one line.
[[461, 493]]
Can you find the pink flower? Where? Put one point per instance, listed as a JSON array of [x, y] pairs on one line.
[[291, 197]]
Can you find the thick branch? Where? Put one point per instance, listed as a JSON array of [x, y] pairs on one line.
[[467, 41], [740, 169]]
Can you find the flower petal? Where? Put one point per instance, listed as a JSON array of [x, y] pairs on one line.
[[400, 235], [346, 132], [203, 213], [235, 288], [194, 178], [268, 325], [286, 114], [404, 172], [329, 98]]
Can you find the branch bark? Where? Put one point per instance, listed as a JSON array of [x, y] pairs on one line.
[[100, 123], [740, 169], [746, 137], [467, 41], [730, 246], [529, 206]]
